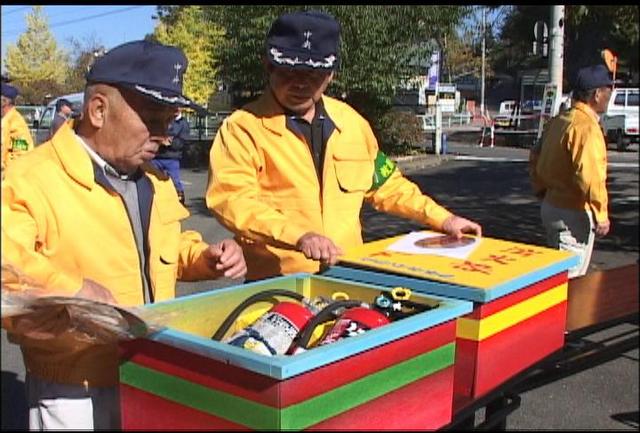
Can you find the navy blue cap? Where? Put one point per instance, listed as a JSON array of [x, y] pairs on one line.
[[304, 40], [62, 103], [149, 68], [9, 91], [593, 77]]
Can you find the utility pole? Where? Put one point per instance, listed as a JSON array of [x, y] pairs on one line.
[[483, 50], [556, 47]]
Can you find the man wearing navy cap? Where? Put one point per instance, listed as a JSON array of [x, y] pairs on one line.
[[570, 172], [16, 137], [87, 215], [64, 109], [290, 171]]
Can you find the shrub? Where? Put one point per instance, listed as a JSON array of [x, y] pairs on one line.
[[398, 132]]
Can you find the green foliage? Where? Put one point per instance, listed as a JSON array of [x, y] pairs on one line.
[[463, 48], [588, 30], [398, 132], [200, 41], [240, 60], [379, 45], [36, 58]]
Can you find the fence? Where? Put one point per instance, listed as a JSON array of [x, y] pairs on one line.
[[448, 120], [204, 128]]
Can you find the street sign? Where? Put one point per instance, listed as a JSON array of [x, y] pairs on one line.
[[540, 38], [550, 105]]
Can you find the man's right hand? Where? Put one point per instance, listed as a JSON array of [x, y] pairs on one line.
[[95, 292], [318, 247], [602, 228]]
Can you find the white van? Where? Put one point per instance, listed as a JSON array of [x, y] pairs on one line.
[[507, 107], [620, 122], [42, 125]]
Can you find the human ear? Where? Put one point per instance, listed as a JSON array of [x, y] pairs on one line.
[[97, 110]]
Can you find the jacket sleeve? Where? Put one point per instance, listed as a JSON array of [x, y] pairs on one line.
[[21, 239], [232, 192], [192, 264], [401, 197], [537, 184], [589, 156]]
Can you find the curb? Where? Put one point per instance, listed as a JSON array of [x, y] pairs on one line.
[[417, 162]]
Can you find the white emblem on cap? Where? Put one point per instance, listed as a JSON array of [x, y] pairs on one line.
[[158, 95], [279, 57], [177, 67], [307, 42]]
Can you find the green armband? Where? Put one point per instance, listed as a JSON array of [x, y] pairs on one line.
[[382, 170]]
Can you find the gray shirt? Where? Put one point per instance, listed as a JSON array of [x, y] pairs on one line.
[[127, 188]]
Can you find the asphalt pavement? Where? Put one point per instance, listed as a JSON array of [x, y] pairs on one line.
[[489, 185]]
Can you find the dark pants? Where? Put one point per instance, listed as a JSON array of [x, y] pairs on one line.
[[172, 168]]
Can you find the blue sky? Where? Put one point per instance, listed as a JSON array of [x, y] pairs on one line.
[[107, 25]]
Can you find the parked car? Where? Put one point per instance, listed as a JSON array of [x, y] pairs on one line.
[[31, 113], [42, 125], [507, 107], [506, 114], [532, 106], [620, 121]]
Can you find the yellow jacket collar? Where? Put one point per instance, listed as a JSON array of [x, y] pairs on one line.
[[74, 158], [272, 114], [586, 108], [78, 164]]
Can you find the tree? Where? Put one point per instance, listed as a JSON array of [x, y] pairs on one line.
[[379, 45], [594, 28], [35, 61], [464, 46], [380, 50], [588, 30], [201, 41], [84, 55]]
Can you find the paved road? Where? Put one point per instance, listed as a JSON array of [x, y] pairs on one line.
[[490, 186]]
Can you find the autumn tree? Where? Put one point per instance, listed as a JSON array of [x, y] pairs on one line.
[[588, 30], [200, 41], [35, 63], [84, 54], [463, 47]]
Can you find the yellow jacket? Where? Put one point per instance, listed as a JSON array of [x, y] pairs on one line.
[[263, 186], [60, 226], [14, 127], [572, 165]]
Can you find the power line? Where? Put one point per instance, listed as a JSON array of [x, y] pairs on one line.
[[76, 20], [53, 11], [12, 11]]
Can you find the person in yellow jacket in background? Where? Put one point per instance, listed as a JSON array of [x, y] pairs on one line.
[[569, 170], [16, 137], [86, 214], [289, 172]]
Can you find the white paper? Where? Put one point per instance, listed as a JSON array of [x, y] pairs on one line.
[[407, 245]]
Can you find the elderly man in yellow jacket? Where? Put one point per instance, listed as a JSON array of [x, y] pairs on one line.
[[87, 215], [290, 171], [569, 170], [16, 137]]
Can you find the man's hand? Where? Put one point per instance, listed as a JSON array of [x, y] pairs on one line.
[[226, 256], [318, 247], [456, 226], [602, 228], [95, 292]]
